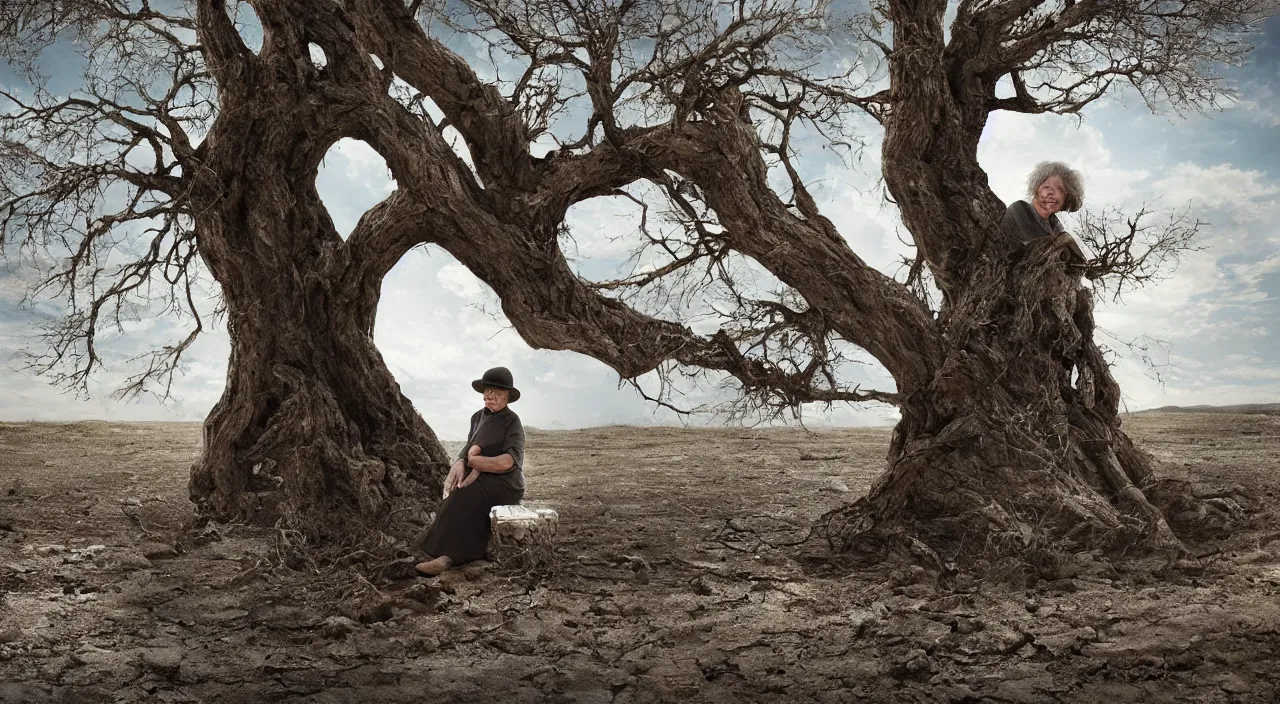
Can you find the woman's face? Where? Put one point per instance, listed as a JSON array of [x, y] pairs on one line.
[[1050, 195], [496, 399]]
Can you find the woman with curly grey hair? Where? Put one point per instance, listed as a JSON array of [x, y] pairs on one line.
[[1052, 187]]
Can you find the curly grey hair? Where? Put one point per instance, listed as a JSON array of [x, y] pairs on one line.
[[1072, 183]]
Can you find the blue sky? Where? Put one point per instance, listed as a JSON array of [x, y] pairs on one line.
[[439, 327]]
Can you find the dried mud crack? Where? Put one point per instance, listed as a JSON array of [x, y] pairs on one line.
[[670, 586]]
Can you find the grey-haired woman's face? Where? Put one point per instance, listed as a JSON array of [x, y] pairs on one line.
[[496, 399], [1051, 195]]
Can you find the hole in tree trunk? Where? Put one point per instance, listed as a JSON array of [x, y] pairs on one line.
[[318, 58], [352, 179], [459, 145], [247, 24]]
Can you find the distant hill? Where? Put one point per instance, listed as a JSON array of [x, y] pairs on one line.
[[1266, 409]]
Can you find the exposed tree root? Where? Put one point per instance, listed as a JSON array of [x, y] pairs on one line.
[[343, 460]]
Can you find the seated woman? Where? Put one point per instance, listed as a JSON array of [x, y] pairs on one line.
[[494, 454], [1053, 187]]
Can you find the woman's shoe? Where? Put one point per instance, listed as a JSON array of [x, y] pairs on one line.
[[431, 568]]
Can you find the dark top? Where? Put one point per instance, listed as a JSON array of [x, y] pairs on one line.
[[498, 434], [1023, 223]]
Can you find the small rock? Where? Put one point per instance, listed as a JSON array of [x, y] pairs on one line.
[[1069, 641], [1032, 605], [82, 554], [10, 634], [837, 486], [1256, 557], [429, 644], [914, 591], [634, 610], [158, 551], [605, 608], [1187, 660], [911, 574], [337, 626], [51, 549], [862, 619], [163, 660], [995, 639], [965, 626], [376, 612], [638, 667], [1234, 684], [917, 663], [132, 561], [92, 655]]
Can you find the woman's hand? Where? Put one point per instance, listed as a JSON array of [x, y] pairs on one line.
[[455, 476], [471, 479]]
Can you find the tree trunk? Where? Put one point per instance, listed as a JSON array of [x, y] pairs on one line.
[[312, 429], [1016, 446]]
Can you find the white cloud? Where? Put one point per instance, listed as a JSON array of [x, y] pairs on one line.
[[1253, 273], [609, 228], [458, 280], [1248, 194], [352, 178], [1013, 144]]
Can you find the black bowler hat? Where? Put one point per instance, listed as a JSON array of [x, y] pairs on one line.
[[497, 378]]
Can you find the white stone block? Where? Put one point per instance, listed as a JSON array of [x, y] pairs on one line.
[[517, 526]]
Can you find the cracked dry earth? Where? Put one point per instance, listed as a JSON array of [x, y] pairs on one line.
[[667, 588]]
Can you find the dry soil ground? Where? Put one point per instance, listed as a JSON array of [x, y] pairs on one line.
[[664, 592]]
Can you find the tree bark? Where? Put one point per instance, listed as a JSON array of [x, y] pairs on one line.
[[312, 429], [1016, 446]]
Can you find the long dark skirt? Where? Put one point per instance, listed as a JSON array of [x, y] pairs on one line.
[[461, 528]]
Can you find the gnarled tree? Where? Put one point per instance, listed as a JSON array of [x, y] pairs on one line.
[[1010, 425]]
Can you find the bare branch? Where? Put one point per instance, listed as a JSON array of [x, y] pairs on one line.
[[1131, 253], [495, 134], [223, 48], [95, 194], [1165, 49]]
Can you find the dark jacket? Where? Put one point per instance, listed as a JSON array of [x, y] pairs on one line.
[[497, 434], [1024, 225]]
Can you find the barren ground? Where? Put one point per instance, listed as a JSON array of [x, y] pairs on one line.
[[664, 591]]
